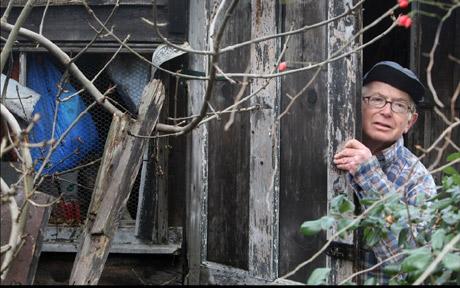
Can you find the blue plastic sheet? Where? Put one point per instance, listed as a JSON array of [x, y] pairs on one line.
[[44, 77]]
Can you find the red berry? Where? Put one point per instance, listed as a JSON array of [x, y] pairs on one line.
[[282, 66], [403, 3], [404, 21]]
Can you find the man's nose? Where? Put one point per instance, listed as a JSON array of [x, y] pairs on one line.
[[386, 109]]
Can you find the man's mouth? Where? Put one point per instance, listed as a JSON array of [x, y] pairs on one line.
[[382, 125]]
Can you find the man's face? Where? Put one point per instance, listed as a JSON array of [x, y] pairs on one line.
[[382, 126]]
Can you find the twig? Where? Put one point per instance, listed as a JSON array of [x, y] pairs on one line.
[[40, 30], [7, 11], [14, 31], [212, 69], [136, 53], [356, 220], [237, 98], [61, 138], [449, 246], [444, 166], [431, 56], [292, 32], [371, 268]]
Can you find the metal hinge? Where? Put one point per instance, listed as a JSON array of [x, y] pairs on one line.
[[341, 251]]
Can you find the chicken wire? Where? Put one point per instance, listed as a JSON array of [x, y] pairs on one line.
[[76, 187]]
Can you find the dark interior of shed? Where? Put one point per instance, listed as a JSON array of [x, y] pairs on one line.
[[395, 46]]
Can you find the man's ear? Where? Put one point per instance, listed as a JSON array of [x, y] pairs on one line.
[[411, 122]]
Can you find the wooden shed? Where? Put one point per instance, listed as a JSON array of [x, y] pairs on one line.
[[231, 201]]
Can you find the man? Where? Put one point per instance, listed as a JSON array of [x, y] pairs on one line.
[[381, 162]]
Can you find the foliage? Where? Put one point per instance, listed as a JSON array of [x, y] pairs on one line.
[[433, 223]]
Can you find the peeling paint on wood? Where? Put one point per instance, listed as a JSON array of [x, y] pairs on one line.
[[197, 158], [343, 111], [264, 168], [118, 170]]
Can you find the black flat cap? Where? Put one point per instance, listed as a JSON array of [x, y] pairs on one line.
[[397, 76]]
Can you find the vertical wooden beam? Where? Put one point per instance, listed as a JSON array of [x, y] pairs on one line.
[[152, 210], [117, 173], [152, 207], [264, 151], [197, 158], [343, 122], [24, 265]]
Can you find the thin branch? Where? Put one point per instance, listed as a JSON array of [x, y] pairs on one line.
[[212, 71], [237, 98], [40, 30], [372, 268], [431, 55], [61, 138], [98, 32], [292, 32], [14, 32], [65, 60], [444, 166], [7, 11], [356, 220], [449, 246], [136, 53]]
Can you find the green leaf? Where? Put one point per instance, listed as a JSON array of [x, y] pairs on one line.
[[327, 222], [346, 206], [309, 228], [453, 156], [392, 269], [443, 278], [417, 262], [403, 235], [368, 201], [370, 281], [441, 204], [319, 276], [450, 170], [452, 261], [371, 236], [437, 240]]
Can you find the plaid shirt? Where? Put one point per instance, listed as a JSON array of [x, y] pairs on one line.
[[386, 172]]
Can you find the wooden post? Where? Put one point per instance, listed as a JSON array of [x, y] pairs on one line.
[[343, 121], [264, 162], [152, 208], [197, 154], [24, 265], [117, 173]]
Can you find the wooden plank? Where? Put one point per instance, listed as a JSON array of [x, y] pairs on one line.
[[303, 131], [217, 274], [344, 117], [37, 3], [228, 157], [117, 173], [65, 239], [264, 151], [197, 159], [152, 208], [73, 25], [24, 265]]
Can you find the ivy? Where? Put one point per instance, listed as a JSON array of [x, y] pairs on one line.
[[435, 221]]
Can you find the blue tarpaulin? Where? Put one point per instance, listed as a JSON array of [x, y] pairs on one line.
[[44, 78]]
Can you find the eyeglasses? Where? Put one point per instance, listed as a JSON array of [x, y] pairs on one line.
[[377, 101]]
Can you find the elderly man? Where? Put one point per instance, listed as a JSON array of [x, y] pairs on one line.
[[381, 162]]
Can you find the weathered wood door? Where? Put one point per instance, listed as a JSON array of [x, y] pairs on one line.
[[251, 187]]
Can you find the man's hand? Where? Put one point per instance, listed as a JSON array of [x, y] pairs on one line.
[[352, 155]]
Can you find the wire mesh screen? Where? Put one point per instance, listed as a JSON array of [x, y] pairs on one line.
[[76, 184]]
